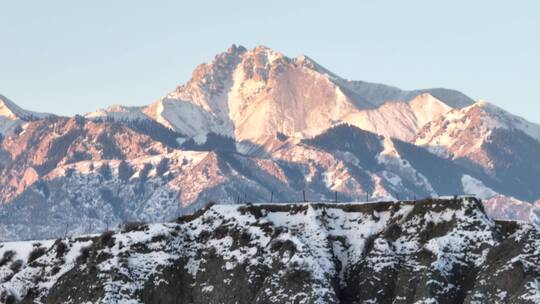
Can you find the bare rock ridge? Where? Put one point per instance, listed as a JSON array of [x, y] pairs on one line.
[[251, 125], [440, 251]]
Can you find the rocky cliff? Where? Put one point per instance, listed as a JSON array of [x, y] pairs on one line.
[[430, 251]]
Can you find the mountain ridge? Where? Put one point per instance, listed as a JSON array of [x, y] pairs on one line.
[[212, 93], [438, 250], [253, 125]]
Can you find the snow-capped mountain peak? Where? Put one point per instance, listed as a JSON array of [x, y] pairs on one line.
[[9, 110], [254, 94], [472, 124], [496, 117], [13, 116], [251, 94]]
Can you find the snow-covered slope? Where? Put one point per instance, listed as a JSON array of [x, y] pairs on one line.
[[12, 116], [378, 94], [119, 113], [487, 139], [406, 118], [252, 94], [432, 251], [509, 208], [462, 132], [10, 110]]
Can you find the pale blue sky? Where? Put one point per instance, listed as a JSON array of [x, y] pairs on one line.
[[76, 56]]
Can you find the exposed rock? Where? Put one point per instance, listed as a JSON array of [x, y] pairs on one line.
[[431, 251]]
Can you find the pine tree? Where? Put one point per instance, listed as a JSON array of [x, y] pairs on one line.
[[105, 171], [162, 166], [125, 171], [143, 174]]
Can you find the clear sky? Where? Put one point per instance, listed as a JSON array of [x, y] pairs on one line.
[[76, 56]]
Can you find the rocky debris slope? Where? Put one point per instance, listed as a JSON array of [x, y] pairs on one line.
[[431, 251]]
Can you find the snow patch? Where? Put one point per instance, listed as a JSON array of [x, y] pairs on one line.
[[473, 186]]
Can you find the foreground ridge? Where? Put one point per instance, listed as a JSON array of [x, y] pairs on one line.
[[428, 251]]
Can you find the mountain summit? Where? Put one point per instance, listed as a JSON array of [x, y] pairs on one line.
[[254, 94]]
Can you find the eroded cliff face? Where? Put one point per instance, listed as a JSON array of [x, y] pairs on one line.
[[431, 251]]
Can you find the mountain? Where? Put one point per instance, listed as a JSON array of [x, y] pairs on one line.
[[12, 116], [406, 118], [449, 134], [257, 126], [486, 138], [431, 251], [118, 113], [250, 95]]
